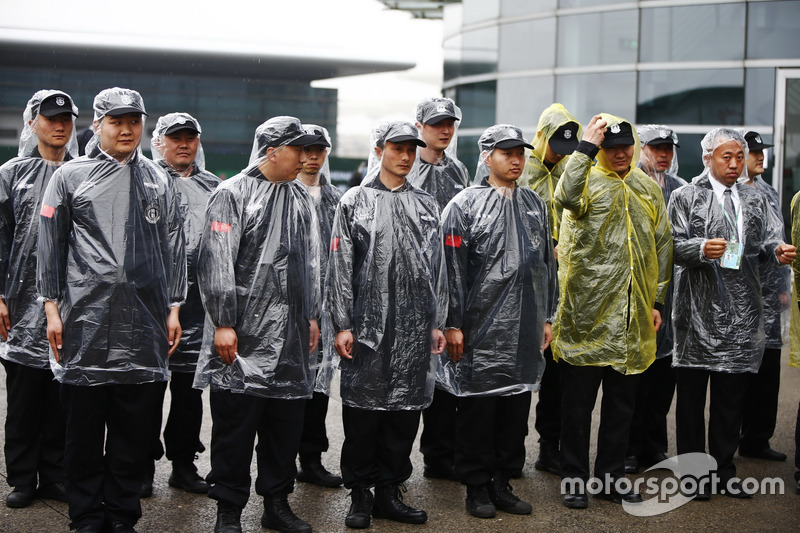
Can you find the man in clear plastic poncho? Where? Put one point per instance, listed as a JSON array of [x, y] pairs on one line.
[[112, 271], [385, 299], [615, 256], [648, 439], [439, 173], [502, 285], [258, 274], [761, 401], [724, 235], [175, 146], [557, 136], [315, 176], [34, 430]]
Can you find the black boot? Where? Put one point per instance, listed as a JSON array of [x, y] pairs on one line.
[[389, 504], [479, 504], [185, 477], [229, 518], [505, 500], [312, 471], [549, 459], [358, 516], [20, 497], [279, 516]]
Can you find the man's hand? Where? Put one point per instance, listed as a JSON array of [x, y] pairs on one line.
[[344, 344], [656, 319], [5, 320], [437, 341], [786, 253], [784, 299], [174, 330], [226, 343], [547, 336], [595, 132], [55, 328], [714, 248], [455, 344], [314, 335]]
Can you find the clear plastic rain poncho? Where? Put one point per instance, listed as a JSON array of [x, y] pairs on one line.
[[718, 315], [193, 191], [258, 272], [668, 181], [615, 260], [794, 330], [23, 180], [445, 178], [385, 284], [536, 175], [501, 272], [111, 254]]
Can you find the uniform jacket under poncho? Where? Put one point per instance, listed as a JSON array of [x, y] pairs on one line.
[[22, 184], [615, 259], [258, 273], [193, 193], [501, 274], [385, 283], [718, 315], [443, 180], [111, 252]]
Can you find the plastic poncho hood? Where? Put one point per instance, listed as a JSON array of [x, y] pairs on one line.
[[656, 135], [170, 123]]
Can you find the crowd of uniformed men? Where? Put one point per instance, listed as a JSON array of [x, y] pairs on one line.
[[576, 260]]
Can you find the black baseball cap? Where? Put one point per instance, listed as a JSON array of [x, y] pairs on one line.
[[398, 132], [618, 135], [754, 141], [565, 139], [434, 110], [57, 104], [502, 136], [655, 135], [282, 131], [118, 101], [319, 131]]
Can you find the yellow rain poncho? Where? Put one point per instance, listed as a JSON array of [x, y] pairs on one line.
[[536, 175], [615, 260]]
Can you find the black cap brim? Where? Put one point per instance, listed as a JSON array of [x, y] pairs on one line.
[[117, 111], [563, 146], [179, 127], [661, 140], [760, 146], [404, 138], [432, 121], [621, 140], [55, 112], [512, 143], [305, 140]]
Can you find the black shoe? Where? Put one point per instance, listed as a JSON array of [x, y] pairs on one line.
[[734, 489], [631, 465], [440, 472], [576, 501], [797, 488], [389, 504], [360, 512], [279, 516], [479, 504], [505, 500], [52, 491], [88, 529], [313, 472], [121, 527], [20, 497], [619, 497], [229, 518], [549, 459], [147, 485], [767, 454], [646, 461], [184, 476]]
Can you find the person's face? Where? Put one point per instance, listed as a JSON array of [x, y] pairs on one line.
[[180, 148], [315, 157], [550, 157], [619, 157], [53, 131], [397, 158], [287, 162], [727, 163], [506, 164], [438, 136], [659, 155], [755, 163], [120, 135]]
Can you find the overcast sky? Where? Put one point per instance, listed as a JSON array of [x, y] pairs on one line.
[[322, 28]]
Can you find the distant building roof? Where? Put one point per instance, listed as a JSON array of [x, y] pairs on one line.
[[421, 9]]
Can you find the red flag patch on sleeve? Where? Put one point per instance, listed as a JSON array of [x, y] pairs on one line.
[[334, 244], [220, 226], [47, 211], [452, 240]]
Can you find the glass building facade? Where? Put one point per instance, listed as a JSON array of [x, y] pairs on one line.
[[694, 66]]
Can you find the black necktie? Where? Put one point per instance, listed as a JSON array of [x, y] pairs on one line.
[[731, 211]]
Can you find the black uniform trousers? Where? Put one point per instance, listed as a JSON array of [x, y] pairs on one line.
[[725, 415], [760, 413], [548, 408], [106, 452], [185, 419], [34, 430], [314, 438], [377, 446], [490, 430], [653, 401], [438, 440], [237, 419], [579, 386]]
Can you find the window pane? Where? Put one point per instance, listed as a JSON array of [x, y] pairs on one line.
[[528, 45], [477, 103], [515, 8], [520, 101], [693, 33], [598, 38], [772, 30], [479, 53], [585, 95], [691, 97], [759, 96], [480, 10]]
